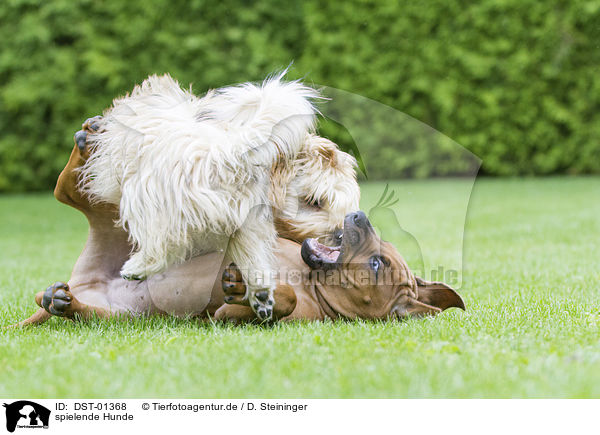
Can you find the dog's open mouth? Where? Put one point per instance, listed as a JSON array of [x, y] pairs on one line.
[[319, 256]]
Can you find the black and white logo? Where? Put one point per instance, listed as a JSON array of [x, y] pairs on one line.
[[26, 414]]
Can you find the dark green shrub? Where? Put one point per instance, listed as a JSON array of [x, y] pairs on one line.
[[516, 82]]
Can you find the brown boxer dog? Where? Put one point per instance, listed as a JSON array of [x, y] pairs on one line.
[[362, 278]]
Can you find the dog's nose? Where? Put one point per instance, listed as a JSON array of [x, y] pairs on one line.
[[360, 219]]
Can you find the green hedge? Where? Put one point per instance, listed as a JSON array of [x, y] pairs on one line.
[[516, 82]]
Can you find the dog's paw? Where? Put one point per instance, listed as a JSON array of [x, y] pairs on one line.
[[262, 302], [91, 125], [233, 286], [57, 300], [134, 269]]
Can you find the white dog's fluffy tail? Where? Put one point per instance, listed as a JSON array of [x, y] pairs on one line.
[[274, 114]]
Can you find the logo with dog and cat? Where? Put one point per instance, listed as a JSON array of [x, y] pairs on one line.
[[25, 414]]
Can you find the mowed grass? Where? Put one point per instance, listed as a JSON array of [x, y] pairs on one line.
[[530, 281]]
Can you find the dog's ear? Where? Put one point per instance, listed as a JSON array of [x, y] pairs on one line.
[[410, 307], [438, 294]]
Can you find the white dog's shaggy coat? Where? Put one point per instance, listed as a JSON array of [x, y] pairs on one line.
[[190, 173]]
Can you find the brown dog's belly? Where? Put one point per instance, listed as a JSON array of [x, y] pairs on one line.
[[194, 287], [190, 289]]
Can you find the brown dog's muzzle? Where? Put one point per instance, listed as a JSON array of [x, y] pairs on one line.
[[357, 230]]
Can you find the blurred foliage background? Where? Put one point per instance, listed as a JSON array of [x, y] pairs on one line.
[[514, 81]]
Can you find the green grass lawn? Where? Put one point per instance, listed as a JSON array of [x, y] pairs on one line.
[[530, 280]]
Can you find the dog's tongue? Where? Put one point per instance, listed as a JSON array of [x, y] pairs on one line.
[[331, 254], [317, 255]]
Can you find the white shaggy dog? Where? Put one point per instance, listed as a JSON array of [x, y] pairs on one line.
[[191, 173]]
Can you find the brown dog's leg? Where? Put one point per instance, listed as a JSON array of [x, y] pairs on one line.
[[237, 309], [235, 314], [59, 301], [37, 318], [285, 301]]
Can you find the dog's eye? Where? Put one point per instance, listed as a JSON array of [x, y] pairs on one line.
[[375, 263]]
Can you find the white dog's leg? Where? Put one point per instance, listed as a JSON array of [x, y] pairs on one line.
[[252, 249], [139, 266], [152, 258]]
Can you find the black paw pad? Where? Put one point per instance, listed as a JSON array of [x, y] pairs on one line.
[[56, 299], [262, 296], [264, 313], [60, 305], [92, 123], [61, 294], [80, 138]]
